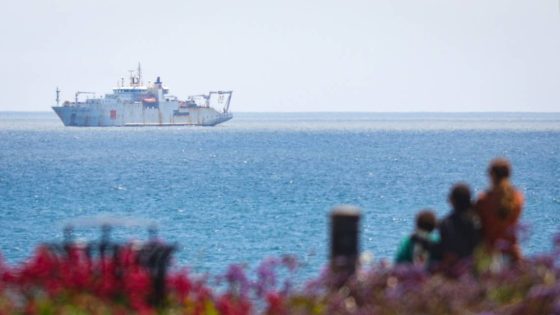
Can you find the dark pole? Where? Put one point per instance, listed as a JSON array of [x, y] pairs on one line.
[[344, 242]]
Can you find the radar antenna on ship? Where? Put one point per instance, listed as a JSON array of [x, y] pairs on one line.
[[136, 79], [131, 76]]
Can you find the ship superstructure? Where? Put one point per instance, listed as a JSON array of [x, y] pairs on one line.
[[134, 104]]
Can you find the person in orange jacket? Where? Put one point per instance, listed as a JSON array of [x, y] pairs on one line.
[[499, 209]]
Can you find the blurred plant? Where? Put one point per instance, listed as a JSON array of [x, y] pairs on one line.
[[73, 281]]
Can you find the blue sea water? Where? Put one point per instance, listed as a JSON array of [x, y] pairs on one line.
[[263, 184]]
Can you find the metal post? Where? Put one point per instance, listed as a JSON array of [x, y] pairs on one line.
[[68, 233], [344, 242]]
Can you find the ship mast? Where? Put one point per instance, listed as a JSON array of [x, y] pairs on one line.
[[57, 96], [136, 78], [139, 74]]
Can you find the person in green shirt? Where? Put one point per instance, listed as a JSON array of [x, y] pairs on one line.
[[413, 248]]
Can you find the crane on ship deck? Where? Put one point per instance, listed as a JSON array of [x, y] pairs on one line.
[[82, 92]]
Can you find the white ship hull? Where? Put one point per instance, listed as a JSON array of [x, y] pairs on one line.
[[136, 114], [136, 104]]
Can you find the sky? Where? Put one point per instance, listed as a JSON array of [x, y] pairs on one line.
[[291, 55]]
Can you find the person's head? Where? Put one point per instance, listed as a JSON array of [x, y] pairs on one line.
[[460, 197], [426, 220], [499, 170]]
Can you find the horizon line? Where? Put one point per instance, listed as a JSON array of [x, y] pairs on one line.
[[346, 112]]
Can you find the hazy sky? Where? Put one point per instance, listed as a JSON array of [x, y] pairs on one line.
[[375, 55]]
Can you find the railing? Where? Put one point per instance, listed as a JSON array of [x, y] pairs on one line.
[[153, 254]]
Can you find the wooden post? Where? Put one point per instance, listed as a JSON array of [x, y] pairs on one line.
[[344, 242]]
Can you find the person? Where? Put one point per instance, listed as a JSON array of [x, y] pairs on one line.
[[459, 231], [414, 249], [499, 209]]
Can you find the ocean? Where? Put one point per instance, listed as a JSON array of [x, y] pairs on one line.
[[263, 184]]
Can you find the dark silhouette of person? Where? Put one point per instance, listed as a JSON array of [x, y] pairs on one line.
[[459, 231], [499, 209]]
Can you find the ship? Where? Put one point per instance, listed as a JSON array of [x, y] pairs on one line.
[[134, 103]]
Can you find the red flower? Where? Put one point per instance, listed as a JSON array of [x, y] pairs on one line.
[[275, 304], [180, 284], [230, 305]]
